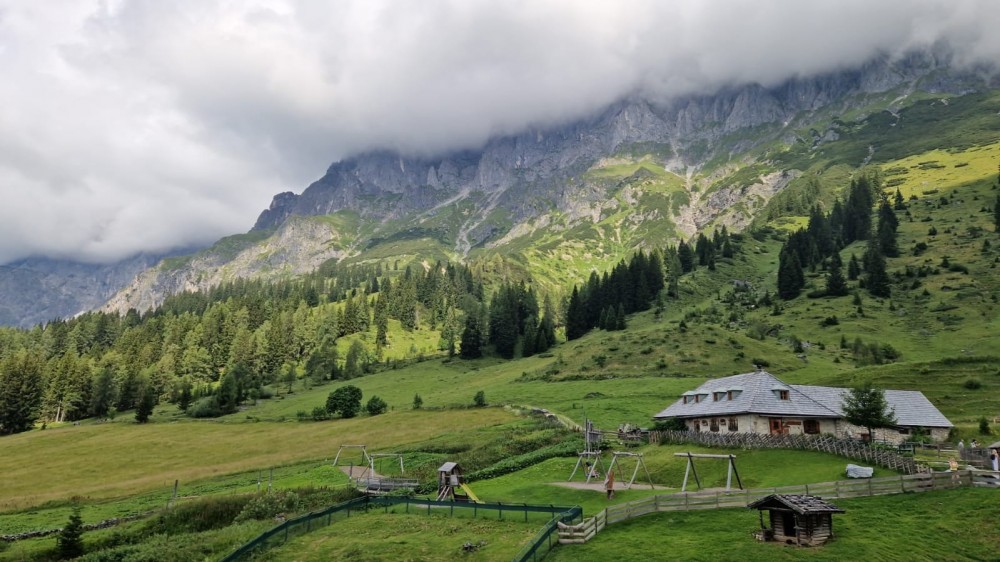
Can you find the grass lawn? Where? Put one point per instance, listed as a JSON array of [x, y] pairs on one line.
[[399, 536], [944, 525]]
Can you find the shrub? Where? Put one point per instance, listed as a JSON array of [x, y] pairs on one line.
[[202, 514], [376, 406], [207, 407], [830, 321], [670, 424], [762, 363], [984, 426], [418, 402], [319, 413], [480, 399], [266, 506], [973, 384]]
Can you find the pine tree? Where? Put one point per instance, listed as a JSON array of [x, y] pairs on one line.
[[146, 403], [102, 395], [575, 317], [886, 230], [853, 268], [836, 285], [20, 391], [686, 257], [471, 346], [996, 214], [790, 276], [69, 542], [876, 277]]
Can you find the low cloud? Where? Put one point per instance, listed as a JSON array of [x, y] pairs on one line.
[[135, 125]]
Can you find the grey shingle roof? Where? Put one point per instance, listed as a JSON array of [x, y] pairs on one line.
[[758, 396], [799, 503]]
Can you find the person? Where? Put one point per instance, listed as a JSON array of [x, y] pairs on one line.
[[974, 444], [995, 459], [953, 467], [609, 484], [961, 444]]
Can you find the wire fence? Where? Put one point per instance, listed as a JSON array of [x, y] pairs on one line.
[[311, 521]]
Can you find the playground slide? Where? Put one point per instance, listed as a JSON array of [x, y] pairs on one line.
[[472, 496]]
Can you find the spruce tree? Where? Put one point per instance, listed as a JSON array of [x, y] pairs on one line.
[[790, 276], [471, 346], [876, 277], [146, 403], [686, 257], [853, 268], [20, 391], [575, 317], [886, 230], [836, 285], [996, 214], [69, 543]]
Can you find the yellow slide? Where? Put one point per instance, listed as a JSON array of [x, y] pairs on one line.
[[469, 493]]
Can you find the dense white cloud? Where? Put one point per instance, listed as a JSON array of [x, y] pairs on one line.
[[130, 125]]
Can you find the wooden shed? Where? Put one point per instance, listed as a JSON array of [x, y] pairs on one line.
[[796, 519]]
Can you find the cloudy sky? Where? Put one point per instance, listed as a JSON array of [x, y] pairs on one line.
[[132, 125]]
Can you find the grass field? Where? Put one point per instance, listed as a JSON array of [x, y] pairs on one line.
[[947, 525]]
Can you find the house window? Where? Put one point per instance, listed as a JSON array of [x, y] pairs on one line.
[[715, 425], [722, 421], [685, 399], [904, 431], [697, 398], [782, 395], [732, 394], [718, 396], [811, 426], [734, 424], [704, 422]]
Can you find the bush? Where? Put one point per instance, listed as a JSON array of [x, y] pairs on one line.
[[830, 321], [267, 506], [480, 399], [319, 413], [973, 384], [376, 406], [418, 402], [984, 426], [202, 514], [207, 407]]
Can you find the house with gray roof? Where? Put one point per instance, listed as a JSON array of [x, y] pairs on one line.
[[760, 402]]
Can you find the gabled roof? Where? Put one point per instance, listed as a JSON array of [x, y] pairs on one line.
[[801, 504], [759, 396]]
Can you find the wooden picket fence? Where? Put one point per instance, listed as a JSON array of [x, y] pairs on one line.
[[848, 448], [690, 501]]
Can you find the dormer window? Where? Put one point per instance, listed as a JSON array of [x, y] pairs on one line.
[[782, 395], [716, 396], [733, 394]]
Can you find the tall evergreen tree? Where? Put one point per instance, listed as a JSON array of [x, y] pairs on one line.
[[867, 407], [102, 395], [20, 391], [853, 268], [791, 278], [471, 346], [836, 285], [886, 230], [147, 401], [876, 276], [686, 257], [576, 324]]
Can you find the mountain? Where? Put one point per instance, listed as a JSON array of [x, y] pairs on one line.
[[37, 290], [565, 200]]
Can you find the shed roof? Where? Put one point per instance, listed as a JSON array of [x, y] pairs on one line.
[[448, 467], [798, 503]]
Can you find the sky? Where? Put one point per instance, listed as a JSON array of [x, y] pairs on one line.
[[145, 125]]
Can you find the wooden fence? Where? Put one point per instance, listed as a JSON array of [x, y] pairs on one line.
[[690, 501], [848, 448]]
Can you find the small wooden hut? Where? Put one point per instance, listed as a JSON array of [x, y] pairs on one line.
[[450, 480], [796, 519]]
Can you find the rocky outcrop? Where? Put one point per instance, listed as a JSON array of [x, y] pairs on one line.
[[535, 171]]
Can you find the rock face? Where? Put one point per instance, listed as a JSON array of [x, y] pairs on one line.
[[38, 290], [511, 188], [530, 173]]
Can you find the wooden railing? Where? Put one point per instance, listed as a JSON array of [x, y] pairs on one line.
[[848, 448]]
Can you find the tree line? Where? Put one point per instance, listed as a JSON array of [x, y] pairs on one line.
[[826, 234]]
